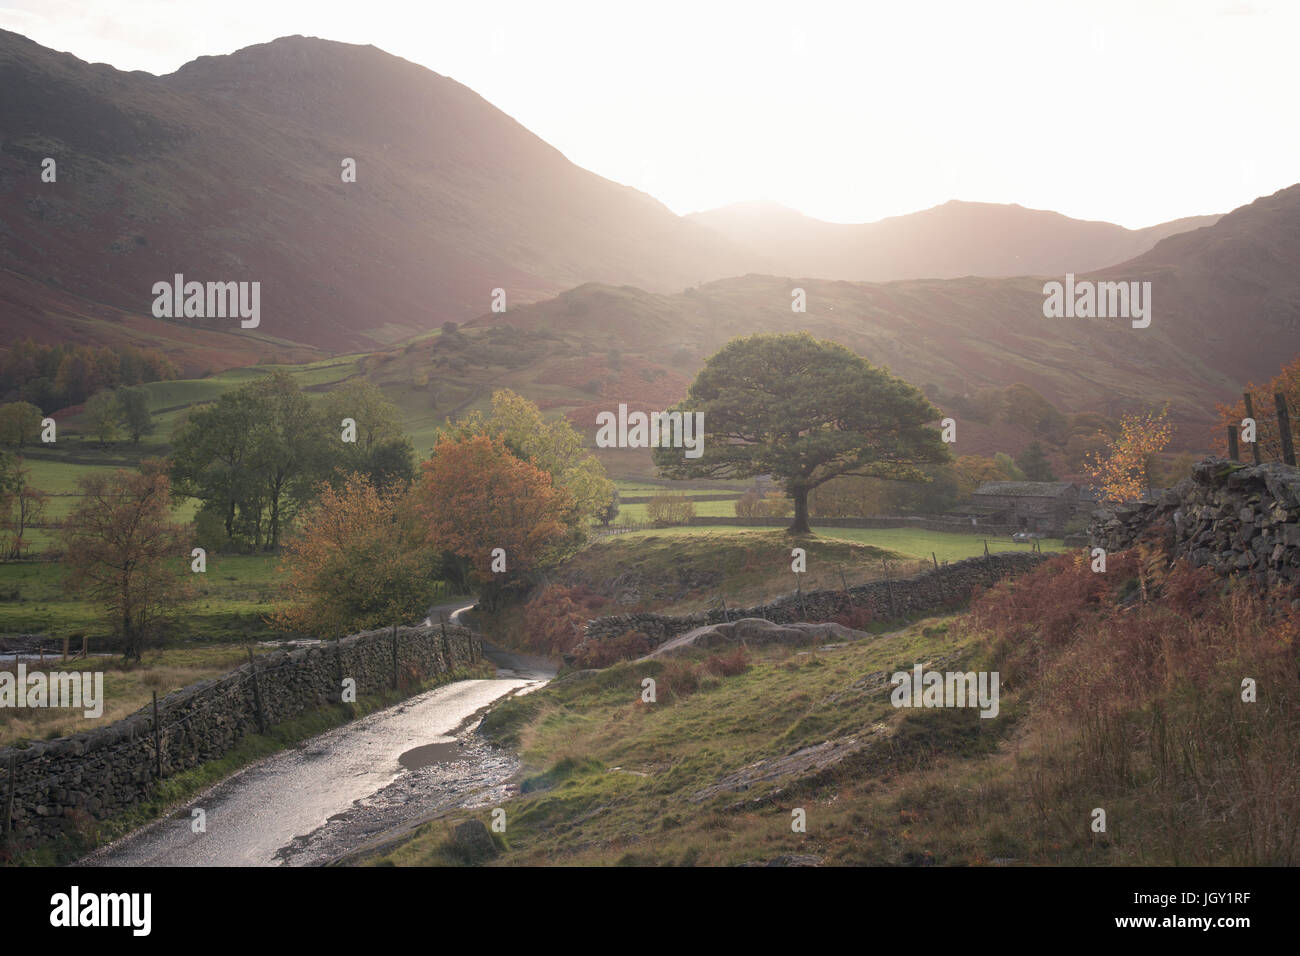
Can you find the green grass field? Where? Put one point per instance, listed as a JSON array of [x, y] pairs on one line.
[[905, 542], [636, 511], [920, 543], [228, 602]]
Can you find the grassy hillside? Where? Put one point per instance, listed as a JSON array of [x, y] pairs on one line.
[[1118, 691], [612, 780], [683, 570]]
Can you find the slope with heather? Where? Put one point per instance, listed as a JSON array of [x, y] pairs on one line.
[[230, 169]]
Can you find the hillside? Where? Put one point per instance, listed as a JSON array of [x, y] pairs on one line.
[[1116, 690], [946, 242], [1218, 292], [452, 198]]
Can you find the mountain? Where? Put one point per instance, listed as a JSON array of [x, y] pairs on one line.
[[1225, 309], [946, 242], [230, 169]]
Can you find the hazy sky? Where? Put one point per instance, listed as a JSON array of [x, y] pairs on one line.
[[1134, 111]]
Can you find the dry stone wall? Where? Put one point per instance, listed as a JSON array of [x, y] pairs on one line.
[[952, 524], [109, 769], [940, 589], [1233, 517]]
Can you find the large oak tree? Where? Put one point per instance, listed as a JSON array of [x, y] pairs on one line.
[[804, 411]]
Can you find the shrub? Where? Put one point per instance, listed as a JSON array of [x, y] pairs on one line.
[[777, 505], [678, 679], [554, 619], [728, 663], [857, 617], [749, 505], [1134, 680], [625, 647], [669, 509]]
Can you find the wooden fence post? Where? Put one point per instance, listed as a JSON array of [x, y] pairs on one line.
[[1232, 443], [257, 694], [446, 645], [1284, 428], [394, 657], [935, 558], [65, 648], [1250, 413], [157, 741], [803, 608]]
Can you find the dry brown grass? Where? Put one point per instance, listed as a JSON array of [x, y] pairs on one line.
[[127, 688]]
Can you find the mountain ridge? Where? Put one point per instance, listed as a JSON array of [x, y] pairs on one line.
[[946, 241]]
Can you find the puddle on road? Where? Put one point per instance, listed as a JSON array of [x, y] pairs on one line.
[[418, 758]]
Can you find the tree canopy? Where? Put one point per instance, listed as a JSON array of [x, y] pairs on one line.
[[804, 411], [358, 560], [122, 549], [553, 446], [20, 424], [475, 496]]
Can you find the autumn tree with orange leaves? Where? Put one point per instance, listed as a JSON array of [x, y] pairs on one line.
[[475, 496], [1267, 435], [1124, 471], [123, 551], [359, 560]]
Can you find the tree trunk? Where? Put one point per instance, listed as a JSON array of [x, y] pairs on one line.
[[275, 517], [800, 495]]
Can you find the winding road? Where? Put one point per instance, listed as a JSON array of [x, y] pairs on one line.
[[350, 787]]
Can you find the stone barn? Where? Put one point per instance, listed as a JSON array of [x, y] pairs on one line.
[[1039, 506]]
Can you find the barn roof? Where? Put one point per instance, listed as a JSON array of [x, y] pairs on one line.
[[1025, 489]]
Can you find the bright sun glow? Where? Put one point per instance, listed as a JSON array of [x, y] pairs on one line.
[[1133, 111]]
